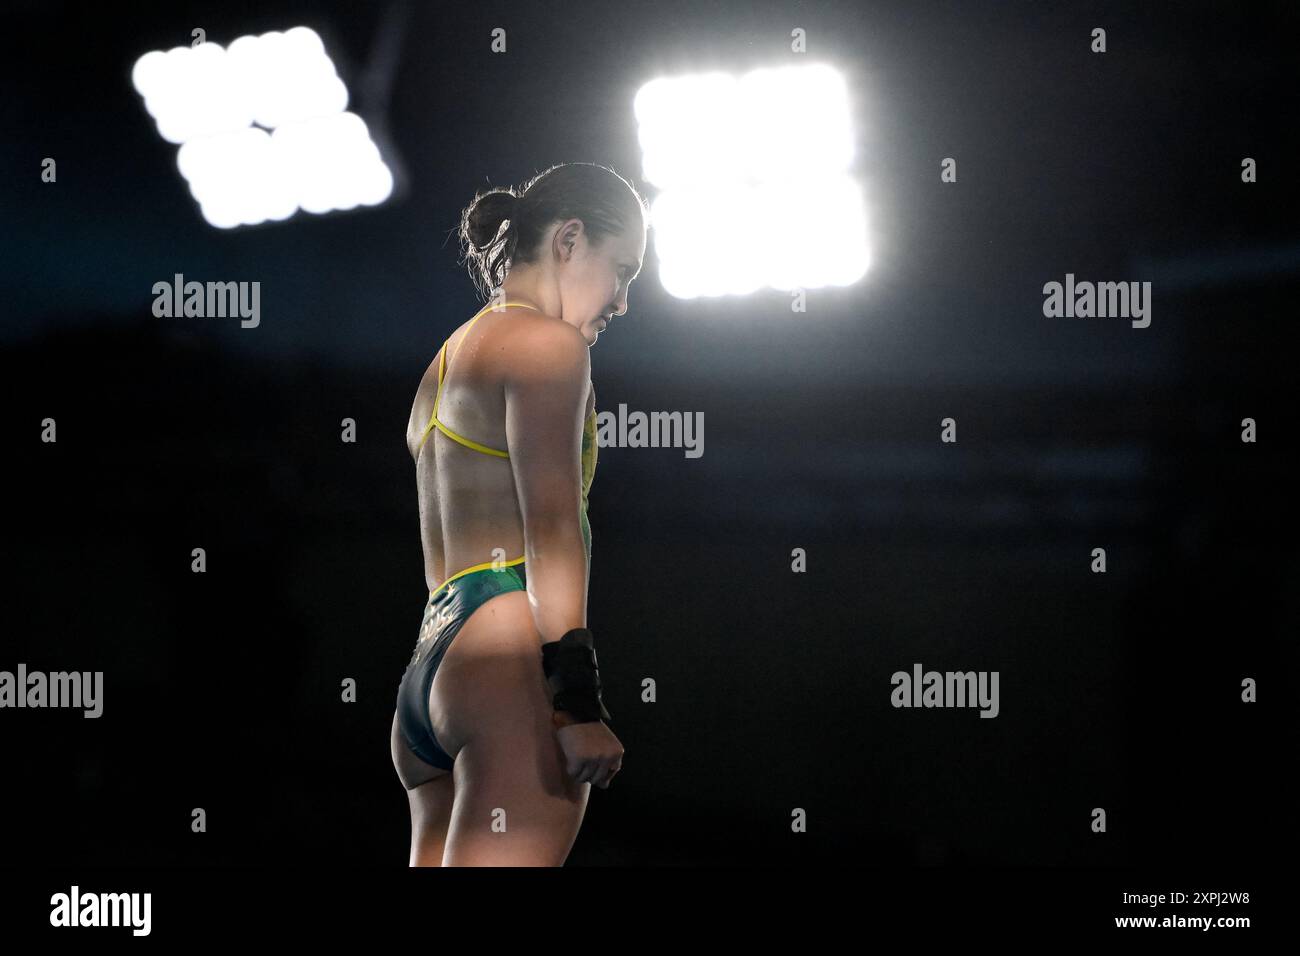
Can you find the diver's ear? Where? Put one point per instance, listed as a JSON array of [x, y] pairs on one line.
[[566, 239]]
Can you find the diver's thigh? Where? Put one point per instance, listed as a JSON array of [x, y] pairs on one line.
[[514, 804], [431, 804]]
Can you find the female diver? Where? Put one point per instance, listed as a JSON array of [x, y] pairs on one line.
[[499, 730]]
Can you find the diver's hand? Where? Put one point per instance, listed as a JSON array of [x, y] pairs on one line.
[[592, 754]]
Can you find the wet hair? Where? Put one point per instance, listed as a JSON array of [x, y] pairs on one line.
[[606, 203]]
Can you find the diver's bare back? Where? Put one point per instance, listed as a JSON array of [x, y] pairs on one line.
[[469, 508]]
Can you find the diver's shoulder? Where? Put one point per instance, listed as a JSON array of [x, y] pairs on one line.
[[536, 338]]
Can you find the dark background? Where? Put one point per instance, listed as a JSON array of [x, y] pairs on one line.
[[1120, 691]]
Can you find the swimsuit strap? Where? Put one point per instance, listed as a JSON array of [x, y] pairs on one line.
[[442, 373], [442, 355]]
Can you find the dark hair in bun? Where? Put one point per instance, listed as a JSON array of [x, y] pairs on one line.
[[606, 203]]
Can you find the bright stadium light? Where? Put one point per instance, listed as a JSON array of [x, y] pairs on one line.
[[766, 156], [262, 128]]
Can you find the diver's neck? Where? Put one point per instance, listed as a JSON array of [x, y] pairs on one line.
[[530, 289]]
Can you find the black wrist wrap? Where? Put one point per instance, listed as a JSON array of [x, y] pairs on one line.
[[571, 672]]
